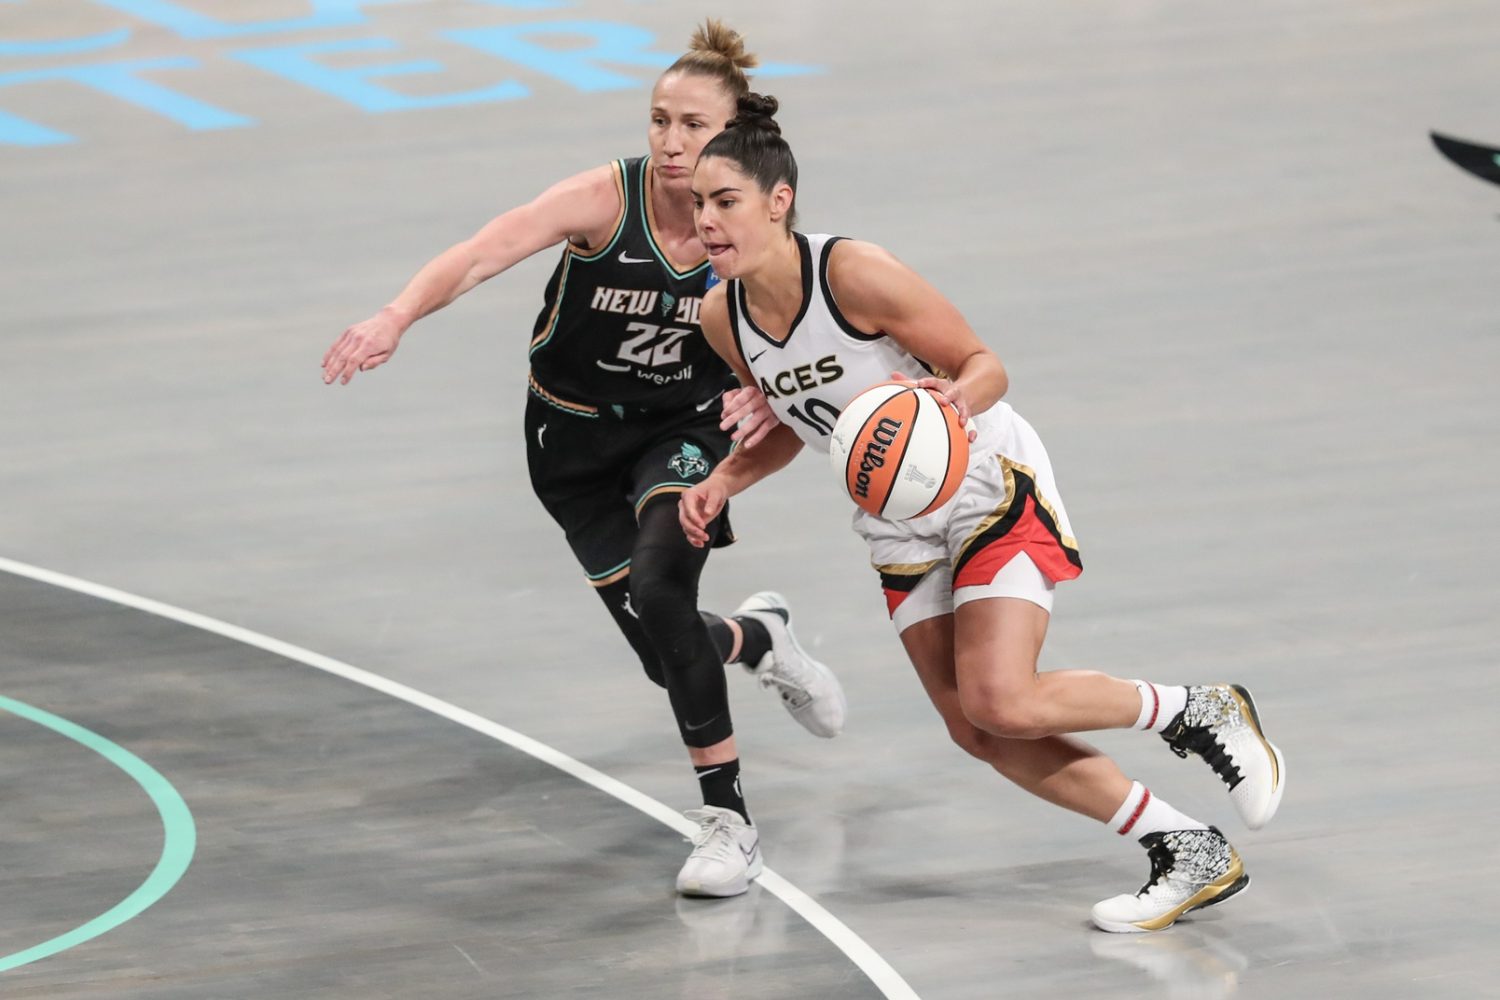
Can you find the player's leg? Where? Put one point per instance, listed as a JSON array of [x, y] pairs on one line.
[[1064, 771], [1059, 769], [575, 462], [1012, 539], [1003, 693], [758, 634], [1193, 865], [664, 590]]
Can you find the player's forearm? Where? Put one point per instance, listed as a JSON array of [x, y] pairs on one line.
[[983, 380], [440, 281], [747, 466]]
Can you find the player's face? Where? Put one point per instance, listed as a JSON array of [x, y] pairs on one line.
[[737, 222], [687, 110]]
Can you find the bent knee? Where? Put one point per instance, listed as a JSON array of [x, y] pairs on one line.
[[658, 601], [972, 740], [1013, 716]]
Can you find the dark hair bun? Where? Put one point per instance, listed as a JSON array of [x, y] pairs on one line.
[[756, 111]]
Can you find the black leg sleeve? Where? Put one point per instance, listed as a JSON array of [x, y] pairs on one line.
[[617, 599], [664, 572]]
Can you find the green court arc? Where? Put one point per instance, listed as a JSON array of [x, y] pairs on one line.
[[179, 840]]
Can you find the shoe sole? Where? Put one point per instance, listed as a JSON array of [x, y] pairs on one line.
[[736, 888], [1209, 895], [1278, 781]]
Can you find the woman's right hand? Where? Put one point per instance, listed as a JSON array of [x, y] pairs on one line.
[[697, 507], [747, 415], [365, 345]]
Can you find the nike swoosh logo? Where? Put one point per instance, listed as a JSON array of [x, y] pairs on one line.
[[612, 368], [756, 357], [750, 854], [625, 258], [706, 404], [693, 729]]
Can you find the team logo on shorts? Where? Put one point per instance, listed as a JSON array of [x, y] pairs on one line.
[[688, 462]]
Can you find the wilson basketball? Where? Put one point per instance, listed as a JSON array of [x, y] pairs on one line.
[[898, 451]]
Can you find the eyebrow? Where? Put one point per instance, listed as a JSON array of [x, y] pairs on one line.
[[658, 110], [722, 190]]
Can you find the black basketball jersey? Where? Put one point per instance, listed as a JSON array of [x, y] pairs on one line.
[[619, 326]]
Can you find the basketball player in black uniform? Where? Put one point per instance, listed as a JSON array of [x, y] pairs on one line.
[[625, 413]]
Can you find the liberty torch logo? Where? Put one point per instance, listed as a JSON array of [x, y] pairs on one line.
[[688, 462]]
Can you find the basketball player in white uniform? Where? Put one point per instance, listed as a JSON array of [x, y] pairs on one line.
[[814, 320]]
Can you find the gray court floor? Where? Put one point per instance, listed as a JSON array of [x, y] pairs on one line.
[[1251, 312]]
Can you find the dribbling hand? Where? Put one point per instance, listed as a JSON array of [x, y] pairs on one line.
[[365, 345], [696, 509], [950, 391], [747, 411]]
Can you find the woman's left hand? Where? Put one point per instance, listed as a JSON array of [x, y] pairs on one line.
[[951, 392], [697, 507], [746, 410]]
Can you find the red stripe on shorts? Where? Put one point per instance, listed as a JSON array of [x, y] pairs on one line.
[[1029, 535], [1145, 797], [893, 599]]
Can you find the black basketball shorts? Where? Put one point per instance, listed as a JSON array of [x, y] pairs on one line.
[[595, 472]]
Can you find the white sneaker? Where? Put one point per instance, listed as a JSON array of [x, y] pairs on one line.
[[1220, 725], [1190, 869], [726, 854], [808, 689]]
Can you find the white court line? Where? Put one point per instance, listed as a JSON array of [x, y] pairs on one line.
[[885, 978]]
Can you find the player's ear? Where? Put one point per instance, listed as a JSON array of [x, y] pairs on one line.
[[782, 197]]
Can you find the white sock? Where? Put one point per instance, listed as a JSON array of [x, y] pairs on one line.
[[1142, 813], [1160, 704]]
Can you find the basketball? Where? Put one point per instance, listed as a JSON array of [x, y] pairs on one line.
[[899, 451]]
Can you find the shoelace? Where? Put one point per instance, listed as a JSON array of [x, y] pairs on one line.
[[790, 689], [1203, 742], [707, 839], [1162, 863]]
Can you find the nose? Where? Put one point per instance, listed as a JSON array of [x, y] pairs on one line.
[[672, 145]]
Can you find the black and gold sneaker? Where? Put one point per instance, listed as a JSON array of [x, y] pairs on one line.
[[1220, 725]]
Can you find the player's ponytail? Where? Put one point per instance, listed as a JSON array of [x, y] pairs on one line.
[[717, 51], [752, 142]]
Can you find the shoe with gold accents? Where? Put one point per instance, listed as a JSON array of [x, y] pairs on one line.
[[1220, 724], [1190, 869]]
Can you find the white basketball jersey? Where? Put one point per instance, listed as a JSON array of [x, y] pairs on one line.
[[825, 361]]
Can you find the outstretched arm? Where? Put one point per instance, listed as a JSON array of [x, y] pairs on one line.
[[583, 208]]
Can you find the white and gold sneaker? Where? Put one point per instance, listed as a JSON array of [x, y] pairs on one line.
[[1190, 869], [1220, 725]]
